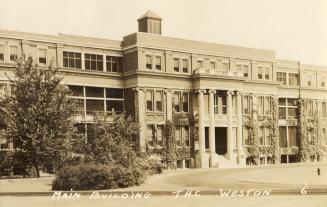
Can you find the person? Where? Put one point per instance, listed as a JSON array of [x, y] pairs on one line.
[[318, 171]]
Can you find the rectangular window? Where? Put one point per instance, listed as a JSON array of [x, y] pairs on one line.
[[43, 57], [323, 82], [93, 106], [261, 135], [293, 79], [267, 105], [282, 136], [267, 73], [324, 109], [246, 71], [116, 93], [177, 101], [114, 64], [292, 131], [281, 77], [267, 136], [94, 92], [115, 100], [310, 80], [259, 72], [185, 102], [324, 135], [72, 60], [77, 91], [158, 63], [148, 64], [158, 98], [79, 106], [149, 100], [212, 65], [310, 109], [225, 67], [247, 104], [185, 66], [260, 105], [224, 104], [186, 136], [176, 64], [149, 135], [200, 63], [13, 53], [2, 53], [245, 135], [93, 62], [178, 136]]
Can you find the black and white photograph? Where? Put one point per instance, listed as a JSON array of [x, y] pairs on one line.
[[142, 103]]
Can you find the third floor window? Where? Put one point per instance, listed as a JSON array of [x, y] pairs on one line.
[[2, 58], [281, 77], [293, 79], [72, 60], [93, 62], [114, 64]]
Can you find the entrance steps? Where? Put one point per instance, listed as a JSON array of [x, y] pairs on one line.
[[224, 162]]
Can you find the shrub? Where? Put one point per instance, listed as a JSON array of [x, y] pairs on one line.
[[90, 176]]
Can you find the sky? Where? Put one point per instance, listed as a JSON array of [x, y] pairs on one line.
[[294, 29]]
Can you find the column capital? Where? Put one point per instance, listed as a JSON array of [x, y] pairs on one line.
[[138, 89], [202, 91], [230, 92], [239, 93], [212, 91], [168, 90]]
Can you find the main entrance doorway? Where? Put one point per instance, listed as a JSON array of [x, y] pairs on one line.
[[221, 140]]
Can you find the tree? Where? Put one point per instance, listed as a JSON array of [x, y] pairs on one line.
[[38, 115]]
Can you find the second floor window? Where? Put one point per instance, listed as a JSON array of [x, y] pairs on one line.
[[93, 62], [149, 100], [281, 77], [158, 63], [185, 66], [114, 64], [247, 103], [181, 101], [13, 53], [324, 109], [287, 108], [246, 71], [176, 64], [200, 63], [220, 104], [293, 79], [259, 72], [310, 80], [267, 73], [159, 101], [72, 60], [154, 100], [43, 57], [212, 65], [148, 62]]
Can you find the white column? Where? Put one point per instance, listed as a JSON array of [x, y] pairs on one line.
[[239, 128], [169, 104], [201, 121], [229, 124], [212, 122]]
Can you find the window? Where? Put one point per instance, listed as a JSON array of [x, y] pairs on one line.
[[246, 71], [149, 100], [186, 136], [310, 80], [115, 100], [310, 136], [159, 135], [79, 106], [287, 108], [212, 65], [77, 91], [247, 103], [148, 64], [178, 137], [268, 133], [43, 57], [292, 131], [176, 64], [220, 104], [267, 73], [13, 53], [185, 102], [260, 105], [94, 92], [238, 68], [267, 105], [261, 135], [324, 136], [282, 136], [177, 101], [259, 72], [322, 84], [158, 63], [225, 67], [324, 109], [245, 135], [93, 62], [200, 63], [185, 66], [114, 64], [72, 60], [2, 57], [281, 77], [310, 109], [94, 106], [149, 135], [293, 79], [158, 99]]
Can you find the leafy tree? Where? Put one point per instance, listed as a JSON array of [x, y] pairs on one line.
[[38, 115]]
